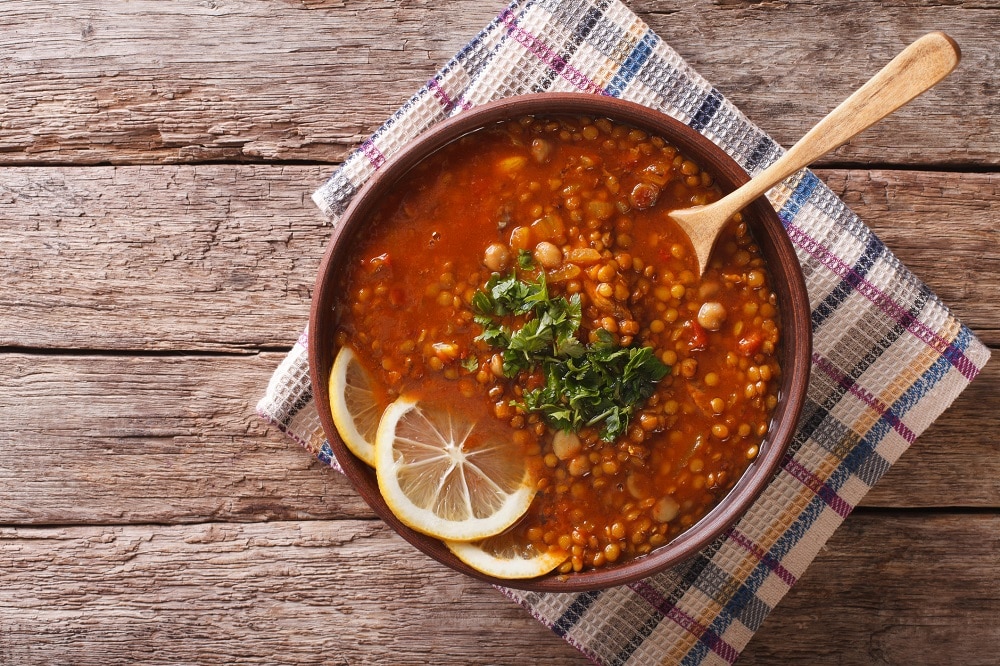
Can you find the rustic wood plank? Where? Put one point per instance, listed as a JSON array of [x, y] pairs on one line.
[[174, 439], [93, 82], [343, 592], [786, 64], [164, 439], [223, 257], [205, 257], [893, 588]]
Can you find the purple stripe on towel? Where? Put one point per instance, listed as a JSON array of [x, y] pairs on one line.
[[762, 556], [815, 484], [685, 621], [446, 101], [374, 155], [548, 56], [883, 410]]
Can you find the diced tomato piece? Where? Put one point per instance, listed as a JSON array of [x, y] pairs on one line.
[[699, 338], [750, 344]]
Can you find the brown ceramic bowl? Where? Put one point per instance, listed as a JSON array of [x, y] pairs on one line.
[[787, 281]]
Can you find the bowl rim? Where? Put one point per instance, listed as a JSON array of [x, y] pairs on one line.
[[795, 348]]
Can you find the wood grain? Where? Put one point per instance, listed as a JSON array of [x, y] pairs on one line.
[[351, 592], [91, 82], [152, 439], [175, 439], [157, 257], [223, 257], [342, 592]]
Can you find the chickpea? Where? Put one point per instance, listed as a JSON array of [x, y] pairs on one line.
[[688, 367], [666, 509], [496, 366], [565, 445], [711, 315], [548, 255], [629, 327], [497, 257], [648, 422], [579, 466]]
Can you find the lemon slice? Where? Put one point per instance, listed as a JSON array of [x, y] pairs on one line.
[[447, 475], [504, 556], [355, 410]]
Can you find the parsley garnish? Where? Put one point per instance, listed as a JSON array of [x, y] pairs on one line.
[[524, 260], [551, 330], [600, 383]]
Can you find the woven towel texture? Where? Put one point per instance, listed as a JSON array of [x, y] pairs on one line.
[[888, 356]]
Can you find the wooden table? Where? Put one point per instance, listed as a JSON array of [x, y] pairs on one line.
[[157, 253]]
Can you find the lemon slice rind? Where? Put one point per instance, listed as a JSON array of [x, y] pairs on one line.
[[510, 567], [353, 404]]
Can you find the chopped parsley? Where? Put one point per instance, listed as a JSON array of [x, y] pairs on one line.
[[550, 330], [597, 384]]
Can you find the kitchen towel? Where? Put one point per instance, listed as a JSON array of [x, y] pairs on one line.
[[888, 356]]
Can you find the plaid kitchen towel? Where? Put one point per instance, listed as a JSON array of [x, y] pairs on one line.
[[888, 356]]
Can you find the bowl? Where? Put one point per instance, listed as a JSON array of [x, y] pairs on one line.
[[776, 248]]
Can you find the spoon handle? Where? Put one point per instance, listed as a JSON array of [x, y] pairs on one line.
[[917, 68]]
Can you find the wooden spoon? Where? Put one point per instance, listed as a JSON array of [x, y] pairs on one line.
[[921, 65]]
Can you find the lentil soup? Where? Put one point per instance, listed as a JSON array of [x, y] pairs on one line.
[[573, 210]]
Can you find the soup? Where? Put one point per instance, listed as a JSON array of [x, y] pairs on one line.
[[528, 275]]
